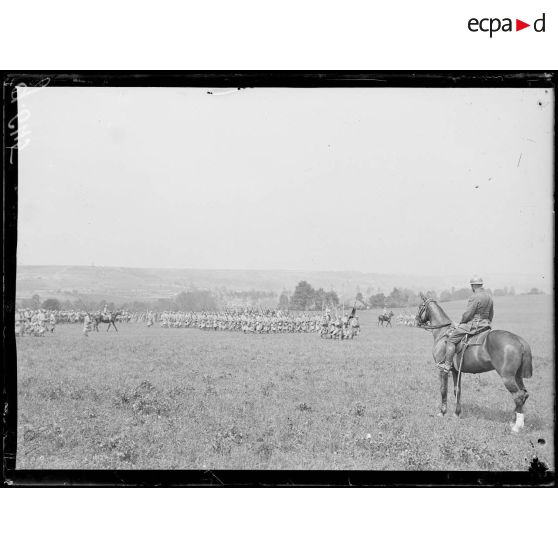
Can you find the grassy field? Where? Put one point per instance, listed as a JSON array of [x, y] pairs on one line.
[[179, 399]]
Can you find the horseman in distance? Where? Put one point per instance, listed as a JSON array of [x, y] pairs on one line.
[[477, 317]]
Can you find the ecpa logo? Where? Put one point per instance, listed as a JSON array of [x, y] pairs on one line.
[[494, 24]]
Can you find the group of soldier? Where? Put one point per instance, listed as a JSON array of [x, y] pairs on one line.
[[406, 318], [34, 322], [340, 327], [245, 321]]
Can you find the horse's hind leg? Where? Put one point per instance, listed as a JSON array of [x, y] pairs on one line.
[[517, 389], [519, 400]]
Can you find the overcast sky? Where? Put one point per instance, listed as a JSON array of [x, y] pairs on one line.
[[423, 181]]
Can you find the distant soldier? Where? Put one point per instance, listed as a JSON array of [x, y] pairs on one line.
[[52, 322], [41, 318], [325, 323], [478, 315], [344, 326], [86, 324], [355, 325]]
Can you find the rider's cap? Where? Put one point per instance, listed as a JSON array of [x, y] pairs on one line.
[[476, 280]]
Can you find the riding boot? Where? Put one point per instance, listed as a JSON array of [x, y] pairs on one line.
[[450, 352]]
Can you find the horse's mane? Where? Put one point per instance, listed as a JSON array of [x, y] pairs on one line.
[[441, 312]]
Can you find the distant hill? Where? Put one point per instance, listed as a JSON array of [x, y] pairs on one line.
[[126, 284]]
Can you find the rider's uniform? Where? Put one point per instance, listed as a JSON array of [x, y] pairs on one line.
[[478, 315]]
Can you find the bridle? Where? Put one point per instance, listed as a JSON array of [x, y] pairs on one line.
[[422, 309]]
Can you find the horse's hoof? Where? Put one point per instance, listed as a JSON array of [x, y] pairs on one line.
[[456, 416], [440, 414]]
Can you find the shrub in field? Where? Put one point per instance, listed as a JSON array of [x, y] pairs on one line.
[[359, 410], [122, 447], [145, 399], [265, 451], [224, 439], [304, 407]]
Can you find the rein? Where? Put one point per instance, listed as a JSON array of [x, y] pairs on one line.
[[429, 327]]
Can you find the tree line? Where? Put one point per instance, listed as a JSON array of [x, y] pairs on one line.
[[303, 298]]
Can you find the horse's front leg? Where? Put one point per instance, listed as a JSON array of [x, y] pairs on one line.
[[443, 392], [456, 391]]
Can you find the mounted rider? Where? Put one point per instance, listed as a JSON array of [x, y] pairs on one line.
[[477, 316]]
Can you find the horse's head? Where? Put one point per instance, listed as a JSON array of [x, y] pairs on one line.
[[423, 313]]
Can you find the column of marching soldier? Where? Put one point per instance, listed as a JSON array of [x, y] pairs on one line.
[[265, 322], [341, 326]]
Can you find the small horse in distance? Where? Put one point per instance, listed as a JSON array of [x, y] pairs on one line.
[[385, 319], [109, 319]]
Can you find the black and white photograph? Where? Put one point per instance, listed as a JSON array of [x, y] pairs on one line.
[[304, 276]]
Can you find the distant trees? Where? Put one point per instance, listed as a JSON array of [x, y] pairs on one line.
[[137, 306], [34, 302], [504, 292], [51, 304], [195, 301], [534, 291], [398, 297], [305, 297], [460, 294], [377, 300]]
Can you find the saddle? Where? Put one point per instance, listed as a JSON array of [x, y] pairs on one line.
[[476, 338]]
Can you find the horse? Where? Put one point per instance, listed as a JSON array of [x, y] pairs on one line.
[[109, 319], [500, 350], [385, 318]]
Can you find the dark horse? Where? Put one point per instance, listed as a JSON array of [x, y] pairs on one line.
[[109, 319], [499, 350], [385, 318]]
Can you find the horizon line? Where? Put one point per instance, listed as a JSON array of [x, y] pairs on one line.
[[297, 270]]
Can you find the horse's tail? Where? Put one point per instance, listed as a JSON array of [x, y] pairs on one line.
[[526, 367]]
